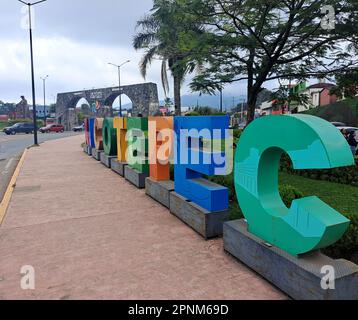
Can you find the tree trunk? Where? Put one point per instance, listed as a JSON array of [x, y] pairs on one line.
[[177, 97], [251, 97], [251, 107]]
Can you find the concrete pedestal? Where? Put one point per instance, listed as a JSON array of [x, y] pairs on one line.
[[87, 150], [301, 277], [96, 154], [159, 190], [208, 224], [135, 177], [118, 167], [107, 160]]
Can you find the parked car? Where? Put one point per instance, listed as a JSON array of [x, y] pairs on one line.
[[79, 128], [349, 130], [57, 128], [20, 128]]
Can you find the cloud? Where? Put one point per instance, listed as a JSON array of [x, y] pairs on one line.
[[73, 42], [71, 66]]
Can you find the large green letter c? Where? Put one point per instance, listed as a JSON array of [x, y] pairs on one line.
[[311, 143]]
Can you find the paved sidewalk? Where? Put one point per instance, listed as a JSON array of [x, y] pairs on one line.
[[91, 235]]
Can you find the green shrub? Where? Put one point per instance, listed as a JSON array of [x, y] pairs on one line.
[[347, 246], [345, 175], [193, 114], [289, 193]]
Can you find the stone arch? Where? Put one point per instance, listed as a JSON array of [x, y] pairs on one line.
[[144, 98]]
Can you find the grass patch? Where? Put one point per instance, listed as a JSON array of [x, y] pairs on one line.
[[343, 198], [3, 125]]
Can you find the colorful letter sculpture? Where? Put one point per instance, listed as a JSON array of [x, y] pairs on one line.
[[137, 140], [91, 122], [311, 143], [120, 124], [161, 144], [109, 135], [98, 126], [192, 161]]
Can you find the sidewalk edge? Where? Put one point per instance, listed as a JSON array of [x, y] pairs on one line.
[[10, 189]]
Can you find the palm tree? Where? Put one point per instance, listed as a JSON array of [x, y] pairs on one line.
[[159, 35]]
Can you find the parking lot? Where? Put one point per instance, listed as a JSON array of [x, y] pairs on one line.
[[11, 148]]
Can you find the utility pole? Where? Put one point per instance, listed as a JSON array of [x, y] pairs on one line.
[[29, 5], [119, 86], [44, 88], [221, 100]]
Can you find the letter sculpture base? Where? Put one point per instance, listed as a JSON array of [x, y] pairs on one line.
[[89, 151], [208, 224], [118, 167], [107, 160], [301, 277], [96, 154], [135, 177], [159, 190]]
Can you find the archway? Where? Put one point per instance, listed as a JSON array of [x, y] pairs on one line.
[[82, 110], [144, 98], [126, 102]]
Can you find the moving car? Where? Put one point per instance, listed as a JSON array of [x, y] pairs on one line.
[[57, 128], [20, 128], [79, 128]]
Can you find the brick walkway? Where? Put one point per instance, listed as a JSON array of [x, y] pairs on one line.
[[91, 235]]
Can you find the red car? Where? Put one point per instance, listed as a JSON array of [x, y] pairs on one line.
[[57, 128]]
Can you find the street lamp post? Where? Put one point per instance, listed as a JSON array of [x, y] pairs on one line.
[[32, 68], [119, 86], [44, 88]]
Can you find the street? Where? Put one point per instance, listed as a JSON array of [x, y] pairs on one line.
[[11, 148]]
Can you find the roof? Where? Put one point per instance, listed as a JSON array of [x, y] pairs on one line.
[[266, 105], [322, 86]]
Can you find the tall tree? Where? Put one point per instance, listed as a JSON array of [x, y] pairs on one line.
[[259, 41], [159, 35], [347, 84]]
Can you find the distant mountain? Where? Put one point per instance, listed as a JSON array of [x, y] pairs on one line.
[[206, 101]]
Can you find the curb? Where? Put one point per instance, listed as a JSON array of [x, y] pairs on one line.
[[10, 189]]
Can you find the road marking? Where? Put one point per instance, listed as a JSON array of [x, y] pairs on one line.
[[9, 164], [10, 189], [7, 167]]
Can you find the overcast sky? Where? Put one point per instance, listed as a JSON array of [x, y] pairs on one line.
[[73, 42]]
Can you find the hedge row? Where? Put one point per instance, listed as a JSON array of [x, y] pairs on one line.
[[345, 175]]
